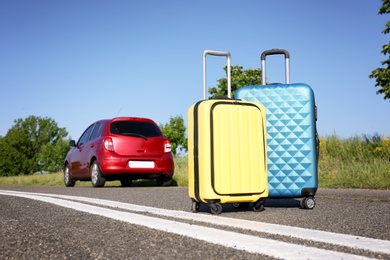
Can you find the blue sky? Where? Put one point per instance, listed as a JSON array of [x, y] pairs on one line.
[[80, 61]]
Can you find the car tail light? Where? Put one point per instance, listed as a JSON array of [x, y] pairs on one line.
[[108, 144], [167, 146]]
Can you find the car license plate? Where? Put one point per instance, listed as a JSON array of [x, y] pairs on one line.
[[141, 164]]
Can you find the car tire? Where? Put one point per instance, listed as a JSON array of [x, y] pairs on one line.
[[164, 181], [68, 181], [96, 175]]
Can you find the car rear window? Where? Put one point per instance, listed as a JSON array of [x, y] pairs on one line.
[[130, 128]]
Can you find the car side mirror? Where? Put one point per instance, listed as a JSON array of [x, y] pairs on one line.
[[72, 143]]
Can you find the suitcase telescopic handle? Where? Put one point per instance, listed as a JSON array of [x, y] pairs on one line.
[[274, 52], [217, 53]]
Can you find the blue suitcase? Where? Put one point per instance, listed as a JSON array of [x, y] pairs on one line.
[[292, 137]]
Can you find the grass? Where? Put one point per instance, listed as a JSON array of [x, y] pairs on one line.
[[57, 179], [357, 162]]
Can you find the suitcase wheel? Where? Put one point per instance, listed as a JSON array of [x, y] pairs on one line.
[[195, 206], [308, 203], [242, 205], [215, 208], [258, 205]]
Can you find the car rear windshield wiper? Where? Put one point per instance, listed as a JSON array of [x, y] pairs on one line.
[[135, 135]]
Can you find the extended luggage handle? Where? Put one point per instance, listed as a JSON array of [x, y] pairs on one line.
[[287, 62], [217, 53], [273, 52]]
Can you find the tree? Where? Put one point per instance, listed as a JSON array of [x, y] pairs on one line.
[[240, 78], [175, 132], [32, 145], [382, 75], [51, 157]]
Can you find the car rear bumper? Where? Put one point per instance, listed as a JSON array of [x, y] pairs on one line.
[[147, 166]]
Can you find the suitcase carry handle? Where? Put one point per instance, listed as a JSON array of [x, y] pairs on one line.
[[273, 52], [217, 53]]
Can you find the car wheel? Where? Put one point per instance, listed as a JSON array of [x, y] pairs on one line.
[[69, 182], [96, 175], [164, 181]]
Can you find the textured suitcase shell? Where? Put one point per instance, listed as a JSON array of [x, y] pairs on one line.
[[291, 137]]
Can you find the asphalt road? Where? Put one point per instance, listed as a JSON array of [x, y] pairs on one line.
[[32, 229]]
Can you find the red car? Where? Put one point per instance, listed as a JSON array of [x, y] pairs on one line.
[[123, 148]]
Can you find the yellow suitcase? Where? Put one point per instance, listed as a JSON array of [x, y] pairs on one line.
[[227, 158]]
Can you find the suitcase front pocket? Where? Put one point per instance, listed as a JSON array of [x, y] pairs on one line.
[[238, 164]]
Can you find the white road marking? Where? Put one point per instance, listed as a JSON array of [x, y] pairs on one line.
[[239, 241], [370, 244]]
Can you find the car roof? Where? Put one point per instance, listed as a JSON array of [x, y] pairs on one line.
[[132, 119], [123, 118]]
